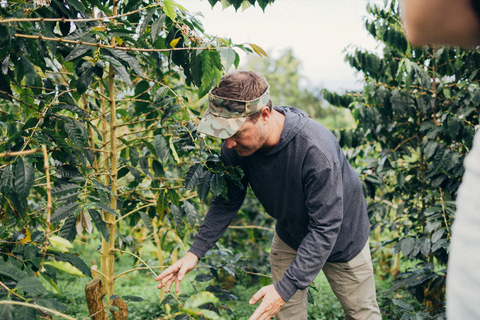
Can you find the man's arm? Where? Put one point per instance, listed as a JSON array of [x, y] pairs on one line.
[[447, 22]]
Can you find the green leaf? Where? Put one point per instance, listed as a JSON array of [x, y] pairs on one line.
[[142, 97], [69, 230], [228, 57], [65, 267], [218, 184], [97, 185], [425, 247], [72, 108], [204, 277], [402, 304], [170, 111], [146, 21], [157, 169], [24, 178], [134, 157], [446, 93], [132, 61], [6, 311], [454, 126], [146, 219], [63, 212], [85, 80], [157, 27], [59, 140], [6, 181], [132, 298], [430, 149], [59, 244], [191, 212], [78, 263], [169, 9], [31, 285], [161, 148], [173, 196], [64, 189], [199, 299], [119, 69], [100, 224], [75, 135], [145, 166], [26, 313], [105, 207], [177, 216], [193, 175], [30, 73], [432, 225], [162, 204], [80, 50], [204, 185], [407, 246], [437, 235], [11, 271]]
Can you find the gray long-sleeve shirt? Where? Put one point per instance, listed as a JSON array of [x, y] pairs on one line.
[[305, 183]]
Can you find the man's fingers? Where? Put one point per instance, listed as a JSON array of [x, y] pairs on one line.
[[257, 296]]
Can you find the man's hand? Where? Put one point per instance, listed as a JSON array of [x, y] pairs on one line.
[[177, 271], [271, 304]]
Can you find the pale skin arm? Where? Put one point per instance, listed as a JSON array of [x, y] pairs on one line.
[[447, 22], [176, 272]]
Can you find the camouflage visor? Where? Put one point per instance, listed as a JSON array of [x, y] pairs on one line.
[[225, 116]]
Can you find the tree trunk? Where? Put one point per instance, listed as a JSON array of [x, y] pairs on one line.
[[123, 313], [96, 305]]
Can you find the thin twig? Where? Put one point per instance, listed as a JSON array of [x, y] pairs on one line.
[[54, 312], [19, 153], [100, 45], [76, 20]]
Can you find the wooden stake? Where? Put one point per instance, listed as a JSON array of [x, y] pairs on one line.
[[123, 313], [96, 305]]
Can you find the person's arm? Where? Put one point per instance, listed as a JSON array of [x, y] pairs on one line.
[[447, 22], [217, 220]]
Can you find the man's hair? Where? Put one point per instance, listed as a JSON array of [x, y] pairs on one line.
[[243, 85]]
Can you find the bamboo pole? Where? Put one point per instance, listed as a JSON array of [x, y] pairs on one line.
[[106, 168], [158, 244], [110, 219]]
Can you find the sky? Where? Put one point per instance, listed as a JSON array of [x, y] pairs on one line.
[[318, 31]]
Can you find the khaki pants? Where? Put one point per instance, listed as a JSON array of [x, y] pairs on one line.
[[352, 282]]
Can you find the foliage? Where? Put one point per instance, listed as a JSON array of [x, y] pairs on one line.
[[99, 105], [416, 119]]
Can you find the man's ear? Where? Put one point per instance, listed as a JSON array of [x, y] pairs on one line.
[[265, 114]]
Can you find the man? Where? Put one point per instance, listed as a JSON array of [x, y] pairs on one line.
[[456, 22], [298, 172]]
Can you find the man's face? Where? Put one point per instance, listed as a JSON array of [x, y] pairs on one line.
[[249, 138]]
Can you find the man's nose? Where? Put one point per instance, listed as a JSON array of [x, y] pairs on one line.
[[230, 143]]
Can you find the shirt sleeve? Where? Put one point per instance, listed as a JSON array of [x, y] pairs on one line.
[[324, 201], [219, 215]]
